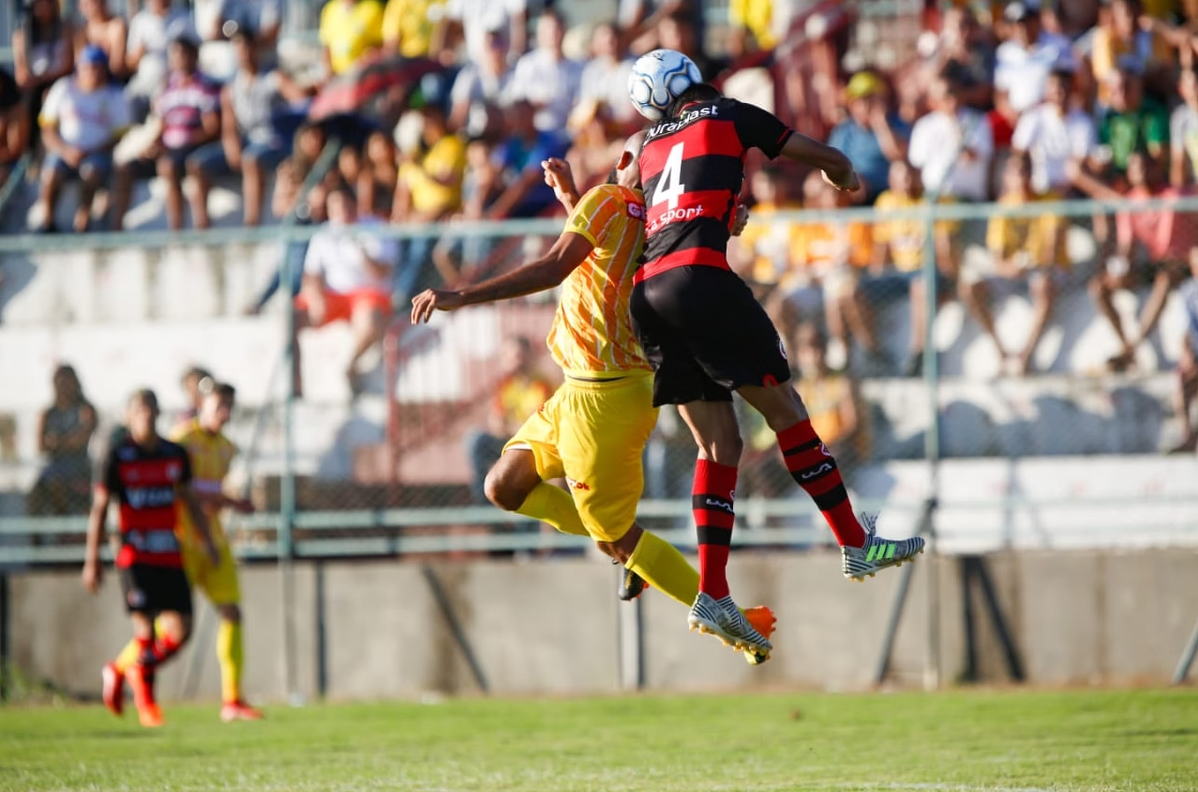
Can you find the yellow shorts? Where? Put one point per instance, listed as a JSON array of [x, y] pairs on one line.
[[593, 434], [219, 583]]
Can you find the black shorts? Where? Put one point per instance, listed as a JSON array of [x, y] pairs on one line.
[[705, 335], [154, 589]]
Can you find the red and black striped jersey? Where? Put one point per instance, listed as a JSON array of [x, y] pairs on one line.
[[145, 484], [692, 168]]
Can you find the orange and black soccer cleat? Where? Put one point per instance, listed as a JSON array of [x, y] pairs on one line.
[[141, 681], [763, 620], [239, 710]]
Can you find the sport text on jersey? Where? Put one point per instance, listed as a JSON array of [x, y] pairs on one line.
[[687, 117]]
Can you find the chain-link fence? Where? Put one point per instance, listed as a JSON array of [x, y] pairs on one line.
[[1059, 394]]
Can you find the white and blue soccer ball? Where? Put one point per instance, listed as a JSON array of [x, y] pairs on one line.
[[658, 78]]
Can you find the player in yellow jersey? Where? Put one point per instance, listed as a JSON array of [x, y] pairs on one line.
[[593, 430], [211, 454]]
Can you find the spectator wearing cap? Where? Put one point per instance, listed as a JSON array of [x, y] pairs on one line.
[[546, 78], [409, 25], [82, 119], [1025, 59], [1133, 122], [189, 111], [472, 20], [480, 83], [871, 136], [349, 29], [249, 143], [952, 146], [150, 33], [106, 30], [1054, 134]]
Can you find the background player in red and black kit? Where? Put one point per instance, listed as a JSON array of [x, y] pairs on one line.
[[706, 335], [148, 476]]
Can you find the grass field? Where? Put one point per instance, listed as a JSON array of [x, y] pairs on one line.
[[1016, 741]]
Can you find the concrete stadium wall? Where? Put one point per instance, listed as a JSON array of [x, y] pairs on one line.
[[373, 629]]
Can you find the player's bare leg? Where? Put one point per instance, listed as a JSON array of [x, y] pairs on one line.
[[863, 552]]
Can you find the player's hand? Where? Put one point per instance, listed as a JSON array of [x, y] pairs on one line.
[[849, 183], [560, 177], [742, 219], [92, 575], [211, 551], [430, 300]]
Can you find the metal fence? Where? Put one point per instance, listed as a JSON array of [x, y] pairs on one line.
[[1068, 454]]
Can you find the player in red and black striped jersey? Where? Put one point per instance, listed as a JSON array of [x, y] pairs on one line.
[[149, 478], [706, 336]]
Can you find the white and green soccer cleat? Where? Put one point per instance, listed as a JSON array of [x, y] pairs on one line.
[[877, 553], [725, 621]]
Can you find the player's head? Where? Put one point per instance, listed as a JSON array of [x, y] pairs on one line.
[[217, 405], [191, 380], [699, 92], [141, 415], [627, 172], [66, 384]]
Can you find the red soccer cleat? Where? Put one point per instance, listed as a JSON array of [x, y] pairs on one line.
[[762, 620], [150, 716], [113, 689], [142, 683], [239, 710]]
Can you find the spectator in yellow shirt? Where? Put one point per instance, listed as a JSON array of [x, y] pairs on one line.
[[761, 254], [408, 27], [349, 29], [1026, 252]]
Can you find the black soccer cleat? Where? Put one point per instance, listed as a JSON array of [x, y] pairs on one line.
[[631, 586]]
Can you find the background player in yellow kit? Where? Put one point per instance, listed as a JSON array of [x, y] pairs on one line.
[[593, 430], [211, 455]]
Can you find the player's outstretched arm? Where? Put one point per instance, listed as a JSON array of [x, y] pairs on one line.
[[95, 536], [560, 177], [838, 170], [567, 253]]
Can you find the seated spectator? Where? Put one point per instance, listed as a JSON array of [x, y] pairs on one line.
[[377, 176], [952, 145], [833, 402], [42, 53], [1187, 366], [82, 119], [1023, 251], [248, 142], [429, 187], [760, 255], [518, 177], [1025, 59], [1119, 43], [1133, 122], [14, 126], [1052, 134], [545, 78], [151, 31], [189, 109], [520, 393], [261, 19], [1183, 132], [64, 430], [871, 136], [456, 257], [106, 30], [1165, 238], [481, 83], [347, 277], [349, 30], [900, 245], [409, 25], [603, 87], [472, 20], [965, 51]]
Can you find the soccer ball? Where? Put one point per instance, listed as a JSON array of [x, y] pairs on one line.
[[658, 78]]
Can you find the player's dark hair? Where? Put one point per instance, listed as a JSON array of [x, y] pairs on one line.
[[612, 176], [222, 389], [699, 92], [144, 396]]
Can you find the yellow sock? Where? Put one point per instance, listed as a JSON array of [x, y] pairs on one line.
[[231, 657], [553, 505], [664, 568], [128, 657]]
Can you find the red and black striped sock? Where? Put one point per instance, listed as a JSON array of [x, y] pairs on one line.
[[814, 469], [712, 504], [152, 653]]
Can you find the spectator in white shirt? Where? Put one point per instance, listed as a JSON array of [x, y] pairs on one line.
[[952, 145], [347, 277], [1053, 135], [603, 89], [546, 78], [151, 31], [474, 19], [480, 83], [82, 119], [1025, 60]]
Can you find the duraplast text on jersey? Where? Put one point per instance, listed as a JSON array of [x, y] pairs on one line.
[[688, 117]]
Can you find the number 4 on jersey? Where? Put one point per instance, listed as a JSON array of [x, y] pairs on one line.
[[669, 184]]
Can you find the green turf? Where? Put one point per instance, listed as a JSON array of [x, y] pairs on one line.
[[970, 740]]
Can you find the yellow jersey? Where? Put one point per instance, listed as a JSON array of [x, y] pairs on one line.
[[410, 23], [349, 31], [1037, 237], [592, 330], [436, 183], [211, 457], [906, 237]]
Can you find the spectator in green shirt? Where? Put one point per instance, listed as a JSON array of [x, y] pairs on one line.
[[1133, 122]]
